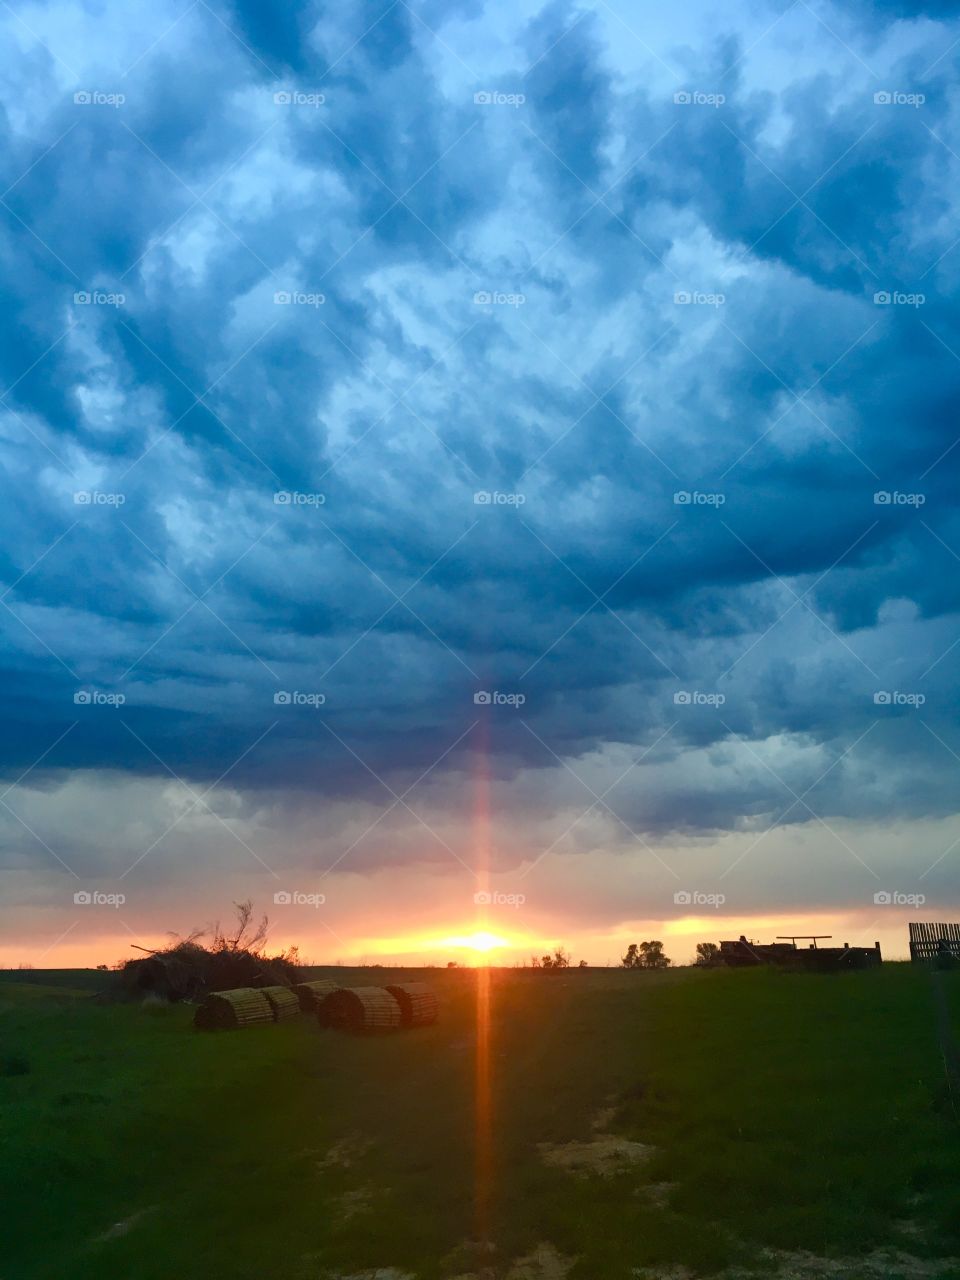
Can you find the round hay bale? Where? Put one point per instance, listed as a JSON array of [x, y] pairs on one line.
[[227, 1010], [418, 1004], [310, 994], [283, 1001], [360, 1009]]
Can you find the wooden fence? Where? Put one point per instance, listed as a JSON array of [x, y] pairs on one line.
[[928, 941]]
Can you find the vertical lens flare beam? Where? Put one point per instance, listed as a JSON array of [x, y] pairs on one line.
[[483, 1114], [483, 1110]]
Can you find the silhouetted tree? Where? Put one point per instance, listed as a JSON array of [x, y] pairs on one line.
[[652, 956], [708, 954], [648, 955]]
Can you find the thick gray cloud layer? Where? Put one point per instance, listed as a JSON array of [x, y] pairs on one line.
[[681, 314]]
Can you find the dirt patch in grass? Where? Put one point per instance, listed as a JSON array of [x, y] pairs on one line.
[[879, 1265], [605, 1156], [355, 1202], [346, 1152], [656, 1194], [378, 1273], [776, 1264], [544, 1263], [663, 1273], [907, 1227], [603, 1119]]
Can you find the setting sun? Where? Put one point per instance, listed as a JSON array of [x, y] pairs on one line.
[[479, 941]]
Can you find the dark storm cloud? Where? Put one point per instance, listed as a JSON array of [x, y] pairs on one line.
[[597, 398]]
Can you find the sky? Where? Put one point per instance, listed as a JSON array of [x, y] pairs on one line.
[[478, 468]]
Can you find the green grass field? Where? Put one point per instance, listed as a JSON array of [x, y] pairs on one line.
[[797, 1126]]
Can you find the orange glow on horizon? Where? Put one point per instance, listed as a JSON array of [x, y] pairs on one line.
[[480, 940], [448, 934], [464, 937]]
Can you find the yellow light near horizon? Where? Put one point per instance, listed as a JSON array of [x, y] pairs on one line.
[[482, 940]]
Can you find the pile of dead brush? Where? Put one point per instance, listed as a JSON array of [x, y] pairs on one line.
[[189, 970]]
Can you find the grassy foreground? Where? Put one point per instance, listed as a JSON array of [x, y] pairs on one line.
[[787, 1112]]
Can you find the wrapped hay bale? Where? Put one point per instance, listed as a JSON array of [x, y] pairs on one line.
[[360, 1009], [284, 1003], [311, 994], [418, 1004], [226, 1010]]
